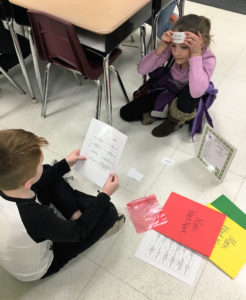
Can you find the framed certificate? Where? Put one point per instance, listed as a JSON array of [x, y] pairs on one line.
[[215, 153]]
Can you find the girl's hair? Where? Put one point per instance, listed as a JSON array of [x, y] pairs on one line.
[[20, 153], [194, 23]]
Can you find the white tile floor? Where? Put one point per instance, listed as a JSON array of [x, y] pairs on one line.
[[109, 270]]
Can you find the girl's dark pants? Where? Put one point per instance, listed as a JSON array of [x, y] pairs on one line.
[[134, 110]]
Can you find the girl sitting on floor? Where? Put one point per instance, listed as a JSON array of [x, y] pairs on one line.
[[183, 84]]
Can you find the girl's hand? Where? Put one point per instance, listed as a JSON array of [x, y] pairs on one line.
[[111, 185], [194, 42], [167, 37], [166, 40], [73, 157]]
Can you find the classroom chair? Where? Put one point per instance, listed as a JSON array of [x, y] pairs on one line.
[[58, 43], [157, 7]]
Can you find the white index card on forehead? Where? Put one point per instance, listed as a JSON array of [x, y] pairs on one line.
[[178, 37]]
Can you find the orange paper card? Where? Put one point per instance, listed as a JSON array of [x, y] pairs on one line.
[[191, 224]]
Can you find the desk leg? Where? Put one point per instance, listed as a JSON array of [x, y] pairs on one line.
[[35, 62], [143, 45], [107, 88]]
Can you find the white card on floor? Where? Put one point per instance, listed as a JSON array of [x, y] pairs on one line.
[[135, 174], [215, 153], [103, 146], [169, 256], [167, 161]]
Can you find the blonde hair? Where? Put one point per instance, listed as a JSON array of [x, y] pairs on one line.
[[20, 153], [194, 24]]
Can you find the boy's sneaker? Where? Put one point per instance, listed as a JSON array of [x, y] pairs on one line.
[[54, 161], [68, 179], [116, 227]]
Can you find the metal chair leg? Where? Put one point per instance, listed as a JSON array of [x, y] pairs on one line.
[[99, 98], [107, 88], [143, 39], [143, 45], [114, 70], [154, 30], [20, 57], [46, 83], [35, 62], [19, 89], [180, 5]]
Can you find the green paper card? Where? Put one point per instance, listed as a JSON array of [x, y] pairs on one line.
[[227, 207]]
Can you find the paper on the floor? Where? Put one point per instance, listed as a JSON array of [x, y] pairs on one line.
[[135, 174], [103, 146], [169, 256], [229, 252], [167, 161], [227, 207], [191, 223]]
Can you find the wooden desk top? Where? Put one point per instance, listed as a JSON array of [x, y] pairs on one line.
[[99, 16]]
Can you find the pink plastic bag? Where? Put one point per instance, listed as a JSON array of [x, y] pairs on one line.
[[146, 213]]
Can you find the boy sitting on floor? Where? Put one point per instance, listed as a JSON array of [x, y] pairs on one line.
[[35, 242]]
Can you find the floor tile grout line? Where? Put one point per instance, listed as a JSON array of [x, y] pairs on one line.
[[108, 271], [237, 193], [200, 277], [162, 170], [96, 269]]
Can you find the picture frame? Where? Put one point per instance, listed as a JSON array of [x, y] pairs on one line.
[[215, 153]]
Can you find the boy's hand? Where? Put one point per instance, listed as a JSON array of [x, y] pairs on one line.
[[111, 185], [166, 40], [194, 42], [73, 157]]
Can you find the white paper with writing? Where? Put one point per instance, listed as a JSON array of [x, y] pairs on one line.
[[169, 256], [178, 37], [103, 146]]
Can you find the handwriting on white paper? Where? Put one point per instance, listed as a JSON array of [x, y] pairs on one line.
[[102, 146], [169, 256], [103, 149], [178, 37]]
